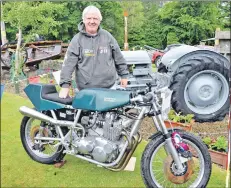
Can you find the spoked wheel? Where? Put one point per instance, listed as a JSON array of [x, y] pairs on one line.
[[46, 152], [159, 170]]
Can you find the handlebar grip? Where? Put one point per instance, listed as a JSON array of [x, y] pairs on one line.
[[147, 98]]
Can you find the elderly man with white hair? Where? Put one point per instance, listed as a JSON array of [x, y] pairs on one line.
[[95, 56]]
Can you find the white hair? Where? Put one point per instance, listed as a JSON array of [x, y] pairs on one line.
[[91, 9]]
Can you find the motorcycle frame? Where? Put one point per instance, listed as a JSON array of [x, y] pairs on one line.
[[124, 156]]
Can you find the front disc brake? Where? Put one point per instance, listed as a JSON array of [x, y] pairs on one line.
[[174, 175]]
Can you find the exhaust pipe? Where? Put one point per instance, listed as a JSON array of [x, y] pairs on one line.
[[37, 115]]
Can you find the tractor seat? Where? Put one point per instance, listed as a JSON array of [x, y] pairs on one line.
[[50, 93]]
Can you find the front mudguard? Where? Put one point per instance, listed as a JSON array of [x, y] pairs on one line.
[[159, 133]]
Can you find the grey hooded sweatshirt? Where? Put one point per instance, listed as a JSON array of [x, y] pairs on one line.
[[95, 59]]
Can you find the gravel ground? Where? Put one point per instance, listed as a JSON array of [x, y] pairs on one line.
[[213, 130]]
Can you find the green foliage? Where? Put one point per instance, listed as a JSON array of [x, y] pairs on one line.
[[113, 22], [33, 17], [153, 26], [224, 17], [152, 23], [220, 144], [136, 20], [207, 140], [173, 116], [190, 22], [69, 20], [172, 38]]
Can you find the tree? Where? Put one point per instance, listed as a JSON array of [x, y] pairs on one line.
[[224, 8], [112, 21], [39, 16], [190, 21], [152, 26], [135, 22]]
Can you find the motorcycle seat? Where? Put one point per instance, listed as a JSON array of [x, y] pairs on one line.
[[50, 93]]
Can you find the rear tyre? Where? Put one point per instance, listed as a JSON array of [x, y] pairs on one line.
[[201, 88], [46, 152], [154, 158]]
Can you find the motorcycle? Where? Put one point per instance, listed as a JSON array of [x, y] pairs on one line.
[[101, 126]]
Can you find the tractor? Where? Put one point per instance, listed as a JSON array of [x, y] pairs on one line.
[[198, 78]]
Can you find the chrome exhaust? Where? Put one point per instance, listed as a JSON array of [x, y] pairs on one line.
[[37, 115]]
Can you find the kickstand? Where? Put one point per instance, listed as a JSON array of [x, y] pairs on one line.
[[59, 164]]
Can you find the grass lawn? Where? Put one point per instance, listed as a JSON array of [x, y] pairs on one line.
[[18, 170]]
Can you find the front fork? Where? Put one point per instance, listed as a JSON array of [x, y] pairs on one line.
[[170, 148]]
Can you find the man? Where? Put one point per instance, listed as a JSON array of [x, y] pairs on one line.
[[94, 54]]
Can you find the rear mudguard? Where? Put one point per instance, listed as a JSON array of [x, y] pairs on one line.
[[34, 93]]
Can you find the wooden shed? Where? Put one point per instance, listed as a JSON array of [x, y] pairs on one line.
[[222, 42]]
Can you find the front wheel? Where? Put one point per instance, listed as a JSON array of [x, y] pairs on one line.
[[158, 169], [46, 152]]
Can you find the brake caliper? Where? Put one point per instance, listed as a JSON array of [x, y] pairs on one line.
[[180, 146]]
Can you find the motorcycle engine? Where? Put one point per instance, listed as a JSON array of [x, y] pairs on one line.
[[103, 140]]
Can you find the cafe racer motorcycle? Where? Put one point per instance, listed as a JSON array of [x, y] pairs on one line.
[[101, 126]]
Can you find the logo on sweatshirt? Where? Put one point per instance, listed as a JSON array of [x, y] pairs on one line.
[[88, 52], [103, 50]]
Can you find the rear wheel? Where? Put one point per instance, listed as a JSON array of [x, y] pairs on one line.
[[158, 168], [201, 88], [46, 152]]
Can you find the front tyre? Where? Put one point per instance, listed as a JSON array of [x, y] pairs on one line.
[[157, 167], [46, 152]]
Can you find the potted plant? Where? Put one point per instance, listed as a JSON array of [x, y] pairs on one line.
[[207, 140], [218, 150], [179, 121]]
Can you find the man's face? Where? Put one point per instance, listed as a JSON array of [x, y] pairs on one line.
[[91, 22]]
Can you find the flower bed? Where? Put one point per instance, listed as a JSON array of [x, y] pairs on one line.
[[220, 158], [218, 150]]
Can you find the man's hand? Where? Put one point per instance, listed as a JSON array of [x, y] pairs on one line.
[[64, 93], [123, 82]]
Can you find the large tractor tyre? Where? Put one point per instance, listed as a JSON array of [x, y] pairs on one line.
[[201, 87]]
